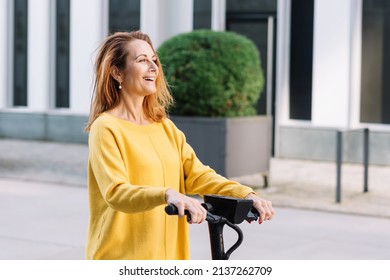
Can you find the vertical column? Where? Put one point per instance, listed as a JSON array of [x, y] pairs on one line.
[[339, 162], [331, 63], [282, 66], [218, 15], [85, 37], [150, 12], [164, 19], [38, 54], [4, 28], [366, 157]]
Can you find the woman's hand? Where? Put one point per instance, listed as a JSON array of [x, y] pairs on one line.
[[183, 202], [264, 207]]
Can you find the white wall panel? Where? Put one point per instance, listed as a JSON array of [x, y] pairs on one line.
[[3, 53], [85, 36], [164, 19], [38, 54], [331, 63]]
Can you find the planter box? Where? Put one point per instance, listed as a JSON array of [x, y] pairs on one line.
[[233, 147]]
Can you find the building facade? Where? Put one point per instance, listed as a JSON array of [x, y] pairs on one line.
[[325, 63]]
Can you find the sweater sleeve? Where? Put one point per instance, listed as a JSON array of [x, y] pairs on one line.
[[201, 179], [111, 177]]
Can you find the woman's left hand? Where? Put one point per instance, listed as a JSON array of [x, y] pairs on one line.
[[263, 206]]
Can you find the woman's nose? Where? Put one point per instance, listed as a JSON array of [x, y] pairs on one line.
[[153, 67]]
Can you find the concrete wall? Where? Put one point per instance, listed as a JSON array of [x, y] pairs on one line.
[[320, 144], [43, 126]]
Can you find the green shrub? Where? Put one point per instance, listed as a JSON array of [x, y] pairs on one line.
[[215, 74]]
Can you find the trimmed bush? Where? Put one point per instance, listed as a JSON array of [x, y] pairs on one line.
[[214, 74]]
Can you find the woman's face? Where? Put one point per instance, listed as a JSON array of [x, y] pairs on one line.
[[141, 70]]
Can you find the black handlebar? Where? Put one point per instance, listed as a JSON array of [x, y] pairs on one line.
[[171, 209]]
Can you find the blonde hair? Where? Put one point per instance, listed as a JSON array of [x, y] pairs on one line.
[[113, 53]]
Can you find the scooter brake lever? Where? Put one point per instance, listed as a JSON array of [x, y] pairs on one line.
[[252, 215]]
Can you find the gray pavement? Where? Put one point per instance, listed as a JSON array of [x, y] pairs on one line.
[[44, 208]]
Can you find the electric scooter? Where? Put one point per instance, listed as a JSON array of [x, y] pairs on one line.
[[221, 211]]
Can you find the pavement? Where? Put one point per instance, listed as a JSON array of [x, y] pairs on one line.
[[44, 208]]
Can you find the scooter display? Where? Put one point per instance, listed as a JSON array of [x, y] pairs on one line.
[[221, 211]]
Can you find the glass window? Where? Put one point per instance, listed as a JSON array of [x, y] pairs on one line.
[[257, 31], [375, 86], [20, 53], [62, 53], [202, 14], [251, 19], [301, 59], [249, 6], [124, 15]]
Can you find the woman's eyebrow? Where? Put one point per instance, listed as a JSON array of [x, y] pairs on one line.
[[142, 54]]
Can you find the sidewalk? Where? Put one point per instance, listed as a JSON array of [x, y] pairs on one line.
[[43, 197], [292, 183]]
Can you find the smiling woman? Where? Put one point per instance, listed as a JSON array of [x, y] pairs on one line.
[[136, 80], [139, 160], [129, 56]]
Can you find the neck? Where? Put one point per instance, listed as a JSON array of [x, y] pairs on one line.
[[131, 109]]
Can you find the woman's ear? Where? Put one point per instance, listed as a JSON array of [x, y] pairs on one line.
[[116, 74]]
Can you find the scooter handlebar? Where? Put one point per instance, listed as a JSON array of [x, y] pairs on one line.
[[171, 209]]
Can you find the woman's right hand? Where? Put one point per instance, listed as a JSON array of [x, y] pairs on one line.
[[183, 202]]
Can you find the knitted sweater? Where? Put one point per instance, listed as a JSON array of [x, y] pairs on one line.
[[129, 169]]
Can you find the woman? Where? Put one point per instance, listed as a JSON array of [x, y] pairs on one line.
[[139, 160]]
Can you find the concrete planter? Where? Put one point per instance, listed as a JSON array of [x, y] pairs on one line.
[[231, 146]]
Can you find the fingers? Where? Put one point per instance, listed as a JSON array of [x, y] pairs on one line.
[[263, 206], [197, 211], [265, 209], [180, 209]]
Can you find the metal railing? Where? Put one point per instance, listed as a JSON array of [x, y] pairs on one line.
[[339, 160]]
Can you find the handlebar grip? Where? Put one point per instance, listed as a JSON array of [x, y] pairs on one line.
[[171, 209]]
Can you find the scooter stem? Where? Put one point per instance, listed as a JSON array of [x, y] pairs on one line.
[[217, 242]]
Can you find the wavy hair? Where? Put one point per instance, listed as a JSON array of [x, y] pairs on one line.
[[106, 95]]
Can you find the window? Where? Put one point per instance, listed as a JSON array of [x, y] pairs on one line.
[[202, 14], [251, 6], [301, 59], [20, 53], [255, 20], [124, 15], [62, 53], [375, 86]]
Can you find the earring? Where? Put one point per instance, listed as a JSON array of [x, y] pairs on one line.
[[120, 85]]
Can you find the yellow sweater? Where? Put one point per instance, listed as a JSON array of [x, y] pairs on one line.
[[130, 167]]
